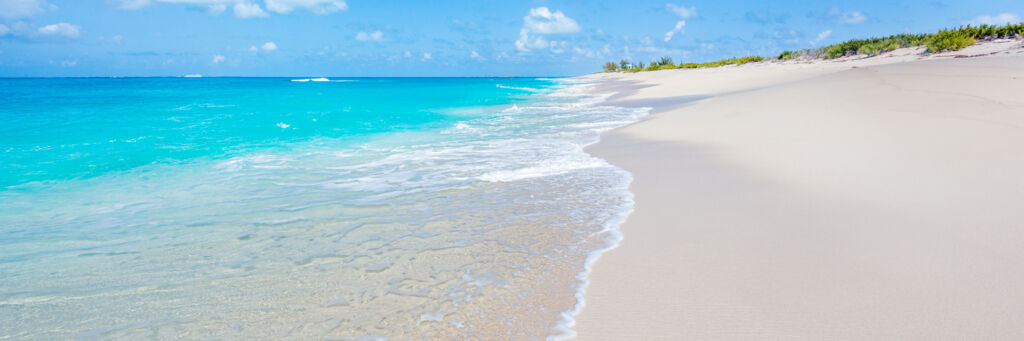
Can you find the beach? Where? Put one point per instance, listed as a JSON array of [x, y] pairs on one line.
[[860, 198]]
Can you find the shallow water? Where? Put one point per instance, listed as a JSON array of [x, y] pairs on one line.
[[266, 208]]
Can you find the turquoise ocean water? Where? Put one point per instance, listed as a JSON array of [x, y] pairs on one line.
[[278, 208]]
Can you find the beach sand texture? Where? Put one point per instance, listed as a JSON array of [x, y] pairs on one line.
[[878, 198]]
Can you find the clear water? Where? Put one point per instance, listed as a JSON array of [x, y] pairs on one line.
[[241, 208]]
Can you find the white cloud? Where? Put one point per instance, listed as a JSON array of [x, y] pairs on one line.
[[372, 36], [316, 6], [585, 52], [4, 30], [678, 29], [61, 29], [542, 20], [214, 6], [249, 10], [558, 47], [681, 11], [408, 54], [475, 55], [217, 9], [217, 59], [427, 56], [822, 36], [848, 17], [69, 63], [14, 9], [128, 5], [526, 43], [998, 19], [242, 8], [268, 46]]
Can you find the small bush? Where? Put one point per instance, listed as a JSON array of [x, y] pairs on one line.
[[951, 40], [663, 61]]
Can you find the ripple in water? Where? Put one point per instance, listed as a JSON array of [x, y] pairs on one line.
[[482, 229]]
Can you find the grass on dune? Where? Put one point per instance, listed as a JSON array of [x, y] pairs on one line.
[[666, 63], [944, 40]]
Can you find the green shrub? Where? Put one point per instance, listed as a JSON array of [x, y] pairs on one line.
[[663, 61], [951, 40], [944, 40], [869, 49]]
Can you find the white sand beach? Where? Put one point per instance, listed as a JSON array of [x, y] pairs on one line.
[[864, 198]]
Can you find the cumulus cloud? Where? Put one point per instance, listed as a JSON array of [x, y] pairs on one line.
[[69, 63], [427, 56], [316, 6], [15, 9], [217, 59], [998, 19], [681, 11], [540, 21], [372, 36], [249, 10], [678, 29], [61, 29], [526, 43], [822, 36], [475, 55], [847, 17], [268, 46]]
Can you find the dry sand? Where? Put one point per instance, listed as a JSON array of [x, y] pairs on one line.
[[878, 198]]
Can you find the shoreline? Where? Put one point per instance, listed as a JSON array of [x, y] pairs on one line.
[[813, 215]]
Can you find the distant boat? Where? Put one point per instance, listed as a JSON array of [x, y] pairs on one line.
[[194, 76]]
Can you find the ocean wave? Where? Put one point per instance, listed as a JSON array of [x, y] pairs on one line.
[[311, 80], [322, 80], [481, 220], [516, 88]]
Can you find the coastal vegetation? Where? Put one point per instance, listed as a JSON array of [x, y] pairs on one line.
[[666, 63], [944, 40]]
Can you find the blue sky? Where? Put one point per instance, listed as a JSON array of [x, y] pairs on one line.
[[435, 38]]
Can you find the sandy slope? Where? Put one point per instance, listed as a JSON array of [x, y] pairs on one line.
[[820, 201]]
